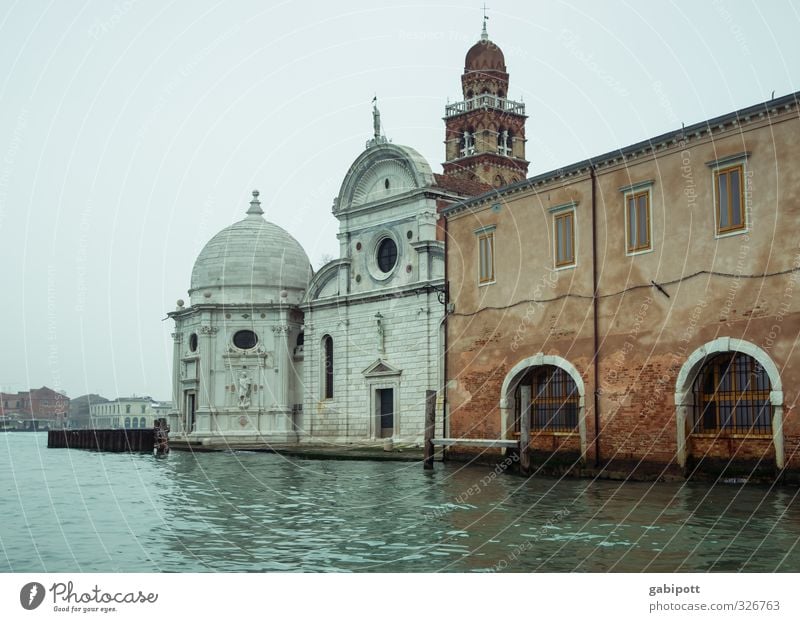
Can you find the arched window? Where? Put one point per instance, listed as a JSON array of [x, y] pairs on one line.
[[327, 367], [127, 422], [732, 396], [504, 142], [142, 422], [467, 143], [134, 423], [555, 401]]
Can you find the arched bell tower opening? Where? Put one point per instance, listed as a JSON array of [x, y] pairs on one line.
[[485, 132]]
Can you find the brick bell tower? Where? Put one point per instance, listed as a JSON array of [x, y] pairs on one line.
[[485, 132]]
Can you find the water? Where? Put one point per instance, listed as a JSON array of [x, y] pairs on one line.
[[69, 510]]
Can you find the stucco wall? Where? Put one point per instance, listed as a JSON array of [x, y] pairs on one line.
[[645, 336]]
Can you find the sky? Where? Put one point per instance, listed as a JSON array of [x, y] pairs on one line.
[[132, 131]]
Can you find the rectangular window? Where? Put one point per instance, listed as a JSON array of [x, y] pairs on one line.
[[729, 199], [638, 221], [564, 233], [486, 252]]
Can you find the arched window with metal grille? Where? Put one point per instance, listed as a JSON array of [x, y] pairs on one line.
[[732, 396], [555, 401]]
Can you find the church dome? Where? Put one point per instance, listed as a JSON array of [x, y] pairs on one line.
[[485, 55], [251, 261]]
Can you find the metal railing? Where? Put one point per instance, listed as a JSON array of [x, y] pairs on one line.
[[484, 100]]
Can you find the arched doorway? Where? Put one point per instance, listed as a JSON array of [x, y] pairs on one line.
[[556, 392], [729, 389]]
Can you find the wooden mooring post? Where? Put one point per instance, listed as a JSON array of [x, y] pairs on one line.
[[430, 424], [525, 430]]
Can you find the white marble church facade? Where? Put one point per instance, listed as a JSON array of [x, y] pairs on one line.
[[236, 370], [373, 316], [267, 352]]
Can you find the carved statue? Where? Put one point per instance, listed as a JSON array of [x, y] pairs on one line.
[[381, 332], [244, 383]]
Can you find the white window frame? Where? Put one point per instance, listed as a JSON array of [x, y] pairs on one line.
[[557, 212], [627, 193], [720, 164], [480, 234]]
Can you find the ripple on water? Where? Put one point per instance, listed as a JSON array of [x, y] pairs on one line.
[[251, 511]]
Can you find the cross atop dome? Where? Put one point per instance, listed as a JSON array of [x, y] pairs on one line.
[[484, 33]]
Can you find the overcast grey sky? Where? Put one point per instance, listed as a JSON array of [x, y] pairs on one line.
[[134, 130]]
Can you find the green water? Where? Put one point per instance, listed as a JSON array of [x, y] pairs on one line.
[[69, 510]]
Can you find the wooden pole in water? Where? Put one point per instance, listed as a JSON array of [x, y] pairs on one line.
[[525, 429], [430, 423]]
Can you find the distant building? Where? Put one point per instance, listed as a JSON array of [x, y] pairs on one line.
[[125, 413], [37, 409], [79, 416]]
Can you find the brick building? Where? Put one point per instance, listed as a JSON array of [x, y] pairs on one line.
[[33, 410], [640, 307]]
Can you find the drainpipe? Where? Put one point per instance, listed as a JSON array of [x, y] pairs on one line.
[[596, 354]]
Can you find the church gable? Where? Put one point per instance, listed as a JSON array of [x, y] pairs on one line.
[[381, 368], [380, 173], [383, 180]]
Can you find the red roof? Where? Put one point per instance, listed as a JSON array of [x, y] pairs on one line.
[[463, 187]]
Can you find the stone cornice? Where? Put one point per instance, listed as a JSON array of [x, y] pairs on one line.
[[389, 293]]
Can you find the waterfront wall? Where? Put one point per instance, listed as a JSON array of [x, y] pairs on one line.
[[716, 293]]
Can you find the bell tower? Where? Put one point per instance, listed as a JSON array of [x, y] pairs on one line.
[[485, 132]]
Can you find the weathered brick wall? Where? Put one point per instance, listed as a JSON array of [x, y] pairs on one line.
[[744, 287]]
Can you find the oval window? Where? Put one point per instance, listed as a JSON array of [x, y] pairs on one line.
[[245, 339], [193, 342], [387, 254]]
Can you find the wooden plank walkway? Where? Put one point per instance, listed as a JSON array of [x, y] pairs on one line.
[[475, 442]]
